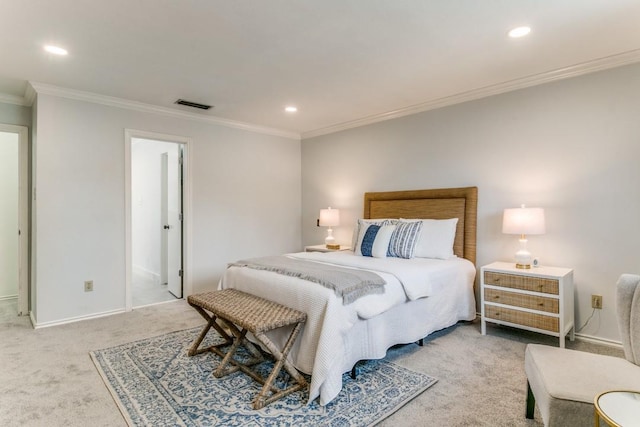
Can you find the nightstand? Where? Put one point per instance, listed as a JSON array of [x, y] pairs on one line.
[[323, 248], [539, 299]]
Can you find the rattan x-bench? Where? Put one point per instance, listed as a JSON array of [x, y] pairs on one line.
[[233, 314]]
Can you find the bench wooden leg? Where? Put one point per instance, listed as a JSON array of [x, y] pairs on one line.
[[263, 398], [222, 370], [251, 348], [235, 337], [239, 338], [211, 322]]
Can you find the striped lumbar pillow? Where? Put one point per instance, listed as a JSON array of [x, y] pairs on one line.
[[404, 239]]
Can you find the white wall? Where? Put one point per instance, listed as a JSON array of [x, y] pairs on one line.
[[571, 147], [245, 201], [8, 215]]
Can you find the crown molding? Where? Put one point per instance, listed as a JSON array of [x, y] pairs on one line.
[[30, 94], [47, 89], [605, 63], [13, 99]]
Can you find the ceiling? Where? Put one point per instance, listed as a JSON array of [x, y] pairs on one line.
[[341, 62]]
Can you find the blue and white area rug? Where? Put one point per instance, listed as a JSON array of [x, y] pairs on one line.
[[155, 383]]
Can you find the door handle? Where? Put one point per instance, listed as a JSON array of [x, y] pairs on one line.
[[166, 227]]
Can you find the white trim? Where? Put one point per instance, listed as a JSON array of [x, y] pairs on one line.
[[23, 214], [128, 251], [46, 89], [187, 223], [29, 95], [73, 319], [599, 340], [14, 99], [158, 303], [605, 63], [138, 270], [187, 143], [612, 61], [582, 337]]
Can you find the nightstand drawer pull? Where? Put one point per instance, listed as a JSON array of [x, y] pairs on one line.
[[533, 320], [534, 302], [527, 283]]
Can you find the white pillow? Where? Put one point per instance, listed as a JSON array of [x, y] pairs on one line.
[[359, 225], [436, 238]]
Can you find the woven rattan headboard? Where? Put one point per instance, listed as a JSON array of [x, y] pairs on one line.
[[461, 203]]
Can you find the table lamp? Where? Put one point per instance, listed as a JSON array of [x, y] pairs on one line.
[[330, 218], [523, 221]]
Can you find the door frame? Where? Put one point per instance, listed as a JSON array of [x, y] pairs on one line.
[[23, 215], [129, 134]]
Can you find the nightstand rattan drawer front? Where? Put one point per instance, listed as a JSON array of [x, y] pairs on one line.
[[527, 283], [550, 305], [524, 318]]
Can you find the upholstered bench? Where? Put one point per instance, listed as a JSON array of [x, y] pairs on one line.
[[233, 314], [564, 383]]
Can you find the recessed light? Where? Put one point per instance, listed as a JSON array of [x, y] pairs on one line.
[[291, 109], [519, 32], [55, 50]]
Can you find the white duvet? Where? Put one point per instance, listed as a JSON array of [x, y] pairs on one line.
[[436, 294]]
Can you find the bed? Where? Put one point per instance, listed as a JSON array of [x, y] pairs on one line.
[[336, 335]]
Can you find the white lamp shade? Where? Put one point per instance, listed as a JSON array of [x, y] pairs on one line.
[[523, 221], [329, 217]]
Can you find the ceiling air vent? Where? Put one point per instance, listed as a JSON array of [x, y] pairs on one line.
[[192, 104]]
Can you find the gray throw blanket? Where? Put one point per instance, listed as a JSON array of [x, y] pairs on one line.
[[350, 284]]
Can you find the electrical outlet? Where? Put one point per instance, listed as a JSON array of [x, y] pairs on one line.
[[596, 301], [88, 286]]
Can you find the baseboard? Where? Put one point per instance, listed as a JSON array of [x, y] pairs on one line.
[[147, 274], [37, 325], [598, 340], [584, 337]]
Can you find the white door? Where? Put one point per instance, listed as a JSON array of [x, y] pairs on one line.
[[9, 239], [172, 214], [14, 231]]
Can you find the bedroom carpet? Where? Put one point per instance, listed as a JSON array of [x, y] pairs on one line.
[[155, 383], [48, 379]]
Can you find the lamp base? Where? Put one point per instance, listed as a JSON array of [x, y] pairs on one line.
[[330, 241], [523, 256], [335, 247]]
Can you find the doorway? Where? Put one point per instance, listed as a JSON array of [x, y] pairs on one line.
[[14, 221], [156, 234]]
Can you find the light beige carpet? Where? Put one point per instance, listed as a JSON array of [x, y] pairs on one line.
[[47, 377]]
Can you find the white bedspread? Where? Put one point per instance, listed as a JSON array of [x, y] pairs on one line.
[[329, 343]]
